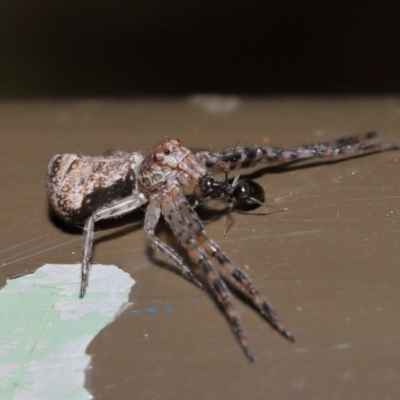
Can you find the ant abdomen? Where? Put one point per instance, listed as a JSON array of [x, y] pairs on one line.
[[247, 195]]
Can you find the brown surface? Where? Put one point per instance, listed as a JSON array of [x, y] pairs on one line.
[[330, 264]]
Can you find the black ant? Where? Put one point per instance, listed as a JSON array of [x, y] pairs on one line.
[[241, 194]]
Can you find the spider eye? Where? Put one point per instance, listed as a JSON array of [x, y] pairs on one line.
[[166, 152]]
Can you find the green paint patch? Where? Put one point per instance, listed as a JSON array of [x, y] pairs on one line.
[[45, 329]]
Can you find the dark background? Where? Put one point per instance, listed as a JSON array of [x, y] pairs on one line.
[[160, 47]]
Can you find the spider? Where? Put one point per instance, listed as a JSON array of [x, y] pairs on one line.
[[83, 189]]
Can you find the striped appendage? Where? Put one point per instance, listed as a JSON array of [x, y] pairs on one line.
[[189, 230], [244, 157]]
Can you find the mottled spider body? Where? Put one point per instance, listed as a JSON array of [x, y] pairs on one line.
[[79, 185], [90, 189]]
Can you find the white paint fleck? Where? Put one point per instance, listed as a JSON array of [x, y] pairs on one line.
[[46, 340]]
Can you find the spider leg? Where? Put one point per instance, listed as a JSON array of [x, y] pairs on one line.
[[151, 218], [347, 140], [238, 277], [243, 157], [183, 231], [110, 211], [190, 232]]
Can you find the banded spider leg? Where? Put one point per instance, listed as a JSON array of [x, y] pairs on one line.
[[243, 157], [109, 211], [189, 230]]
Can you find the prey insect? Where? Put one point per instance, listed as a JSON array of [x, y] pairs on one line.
[[241, 194], [85, 190]]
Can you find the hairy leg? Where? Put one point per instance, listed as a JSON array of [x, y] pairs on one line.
[[243, 157], [114, 210], [152, 216]]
